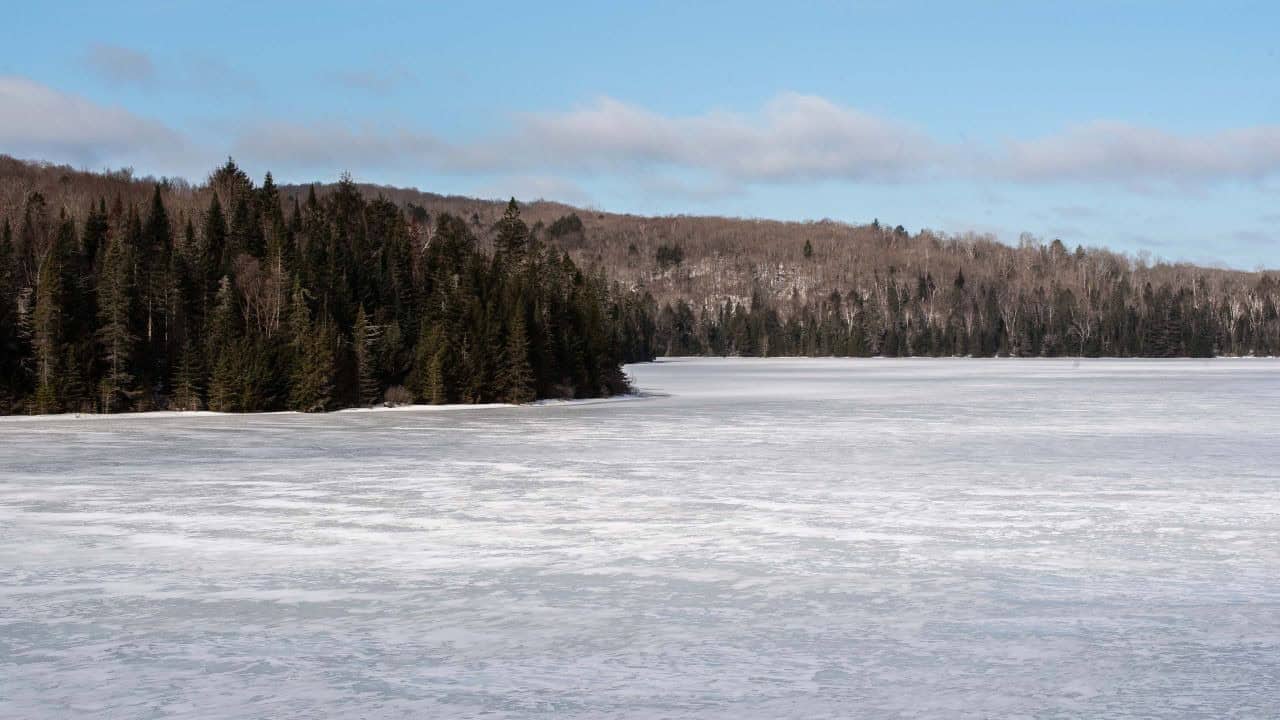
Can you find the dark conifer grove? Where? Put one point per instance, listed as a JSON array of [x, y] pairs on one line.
[[260, 302]]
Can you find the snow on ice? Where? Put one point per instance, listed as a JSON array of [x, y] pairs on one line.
[[749, 539]]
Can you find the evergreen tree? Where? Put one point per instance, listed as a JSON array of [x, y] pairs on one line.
[[435, 389], [215, 262], [155, 284], [363, 337], [48, 336], [115, 336], [13, 351], [312, 389], [188, 380], [311, 384], [513, 234], [517, 380], [221, 350]]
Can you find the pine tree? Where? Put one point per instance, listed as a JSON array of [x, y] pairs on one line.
[[214, 245], [221, 350], [808, 249], [73, 393], [115, 337], [312, 389], [311, 382], [513, 234], [517, 379], [188, 379], [363, 337], [48, 337], [12, 350], [421, 380], [96, 229], [436, 390], [155, 284], [222, 385]]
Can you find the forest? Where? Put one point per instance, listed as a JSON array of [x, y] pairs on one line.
[[122, 294], [259, 303], [742, 286], [916, 315]]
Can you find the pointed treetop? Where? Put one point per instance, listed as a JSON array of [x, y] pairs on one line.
[[513, 234], [158, 215]]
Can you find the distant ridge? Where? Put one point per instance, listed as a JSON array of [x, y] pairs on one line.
[[750, 286]]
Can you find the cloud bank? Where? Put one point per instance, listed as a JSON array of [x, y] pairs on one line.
[[1110, 151], [793, 139], [40, 122]]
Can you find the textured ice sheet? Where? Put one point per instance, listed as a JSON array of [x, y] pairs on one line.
[[755, 539]]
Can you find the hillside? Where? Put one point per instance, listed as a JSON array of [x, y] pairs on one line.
[[741, 286]]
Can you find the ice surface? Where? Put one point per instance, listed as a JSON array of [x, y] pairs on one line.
[[754, 539]]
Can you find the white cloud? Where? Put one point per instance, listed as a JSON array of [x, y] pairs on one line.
[[794, 138], [1109, 151], [791, 140], [39, 122]]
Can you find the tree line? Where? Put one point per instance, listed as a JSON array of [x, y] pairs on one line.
[[1054, 303], [121, 294], [260, 302]]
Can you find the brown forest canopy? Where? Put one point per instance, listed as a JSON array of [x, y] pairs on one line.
[[723, 258]]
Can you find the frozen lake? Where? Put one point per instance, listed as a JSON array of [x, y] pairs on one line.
[[755, 539]]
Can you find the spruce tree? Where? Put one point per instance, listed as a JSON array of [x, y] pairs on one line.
[[517, 379], [513, 234], [311, 382], [312, 388], [12, 350], [220, 349], [214, 245], [115, 337], [155, 286], [436, 388], [188, 379], [47, 336], [74, 395], [363, 337]]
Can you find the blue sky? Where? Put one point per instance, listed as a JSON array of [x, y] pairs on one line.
[[1143, 126]]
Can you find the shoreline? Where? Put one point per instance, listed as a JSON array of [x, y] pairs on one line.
[[176, 414]]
